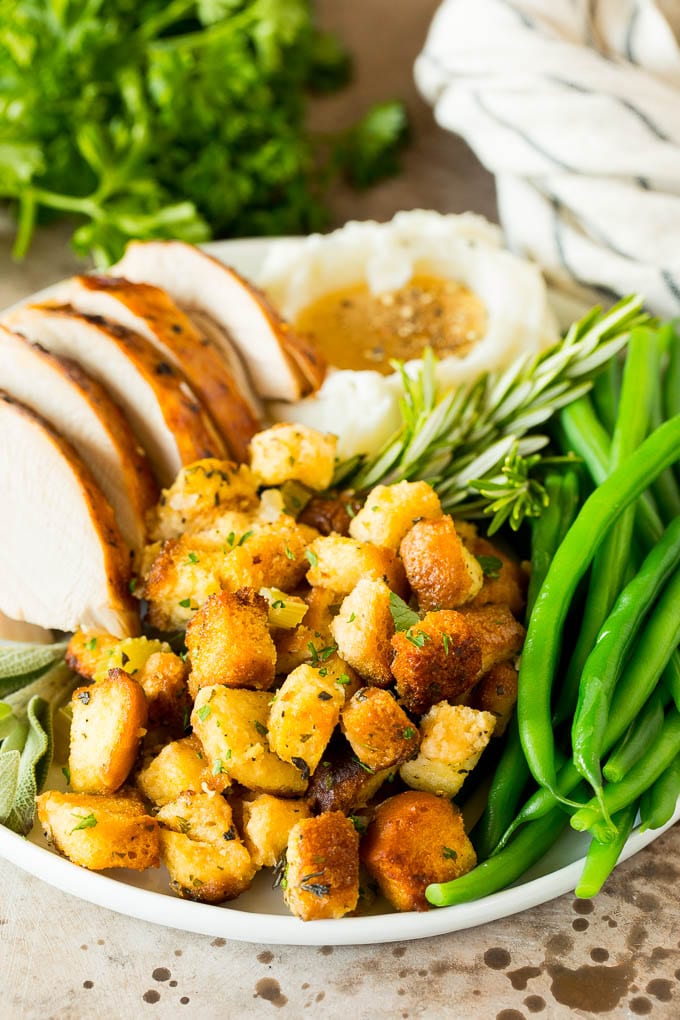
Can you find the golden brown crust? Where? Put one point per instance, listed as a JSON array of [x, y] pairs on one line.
[[164, 682], [203, 871], [440, 570], [499, 634], [86, 648], [198, 356], [322, 874], [509, 587], [114, 551], [496, 692], [415, 839], [341, 782], [380, 733]]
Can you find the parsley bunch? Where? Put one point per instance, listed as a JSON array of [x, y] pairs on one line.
[[174, 118]]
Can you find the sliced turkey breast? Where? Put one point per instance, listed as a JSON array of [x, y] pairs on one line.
[[153, 314], [281, 364], [15, 630], [64, 564], [82, 412], [165, 415]]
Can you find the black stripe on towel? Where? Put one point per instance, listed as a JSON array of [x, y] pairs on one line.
[[521, 134]]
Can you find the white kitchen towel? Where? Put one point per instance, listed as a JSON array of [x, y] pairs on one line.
[[574, 105]]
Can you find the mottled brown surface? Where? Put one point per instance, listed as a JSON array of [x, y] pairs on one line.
[[63, 958]]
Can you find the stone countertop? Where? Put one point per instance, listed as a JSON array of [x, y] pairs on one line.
[[617, 956]]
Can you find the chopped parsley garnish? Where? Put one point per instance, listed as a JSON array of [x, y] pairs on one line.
[[450, 854], [343, 680], [409, 733], [402, 616], [312, 557], [289, 554], [352, 617], [66, 772], [91, 644], [417, 638], [192, 558], [278, 604], [133, 583], [218, 766], [86, 821], [203, 712], [445, 642], [262, 730], [185, 603], [491, 566], [245, 536]]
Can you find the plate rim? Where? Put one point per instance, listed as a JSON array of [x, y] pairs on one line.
[[103, 890]]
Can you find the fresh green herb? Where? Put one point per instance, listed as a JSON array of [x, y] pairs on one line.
[[203, 712], [409, 733], [278, 604], [244, 537], [184, 824], [352, 618], [417, 638], [343, 680], [312, 557], [289, 554], [218, 767], [302, 767], [445, 641], [231, 538], [262, 730], [491, 566], [366, 768], [451, 855], [91, 644], [185, 603], [192, 558], [66, 773], [21, 664], [86, 821], [133, 584], [402, 616], [358, 823], [476, 444]]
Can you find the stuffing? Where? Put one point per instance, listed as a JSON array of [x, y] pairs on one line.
[[205, 817], [363, 630], [163, 678], [505, 580], [273, 556], [199, 493], [181, 765], [415, 839], [267, 822], [330, 515], [86, 648], [452, 738], [390, 511], [229, 642], [99, 832], [109, 720], [340, 563], [322, 871], [182, 577], [304, 712], [341, 782], [207, 872], [378, 730], [293, 453], [440, 570], [130, 654], [499, 634], [496, 692]]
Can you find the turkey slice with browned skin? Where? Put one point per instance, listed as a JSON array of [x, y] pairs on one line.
[[281, 364], [64, 563], [151, 312], [166, 417], [83, 413]]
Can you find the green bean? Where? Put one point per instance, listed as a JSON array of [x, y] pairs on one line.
[[603, 666], [542, 645], [658, 758], [636, 740], [505, 867], [512, 772], [665, 488], [672, 678], [640, 379], [606, 393], [671, 382], [602, 857], [659, 806]]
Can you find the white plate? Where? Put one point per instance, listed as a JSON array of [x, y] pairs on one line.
[[259, 915]]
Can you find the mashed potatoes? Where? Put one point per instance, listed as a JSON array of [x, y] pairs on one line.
[[491, 307]]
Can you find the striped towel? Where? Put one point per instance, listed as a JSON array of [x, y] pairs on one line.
[[574, 105]]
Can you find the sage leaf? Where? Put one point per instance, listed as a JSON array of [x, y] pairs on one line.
[[9, 776], [36, 757], [21, 664]]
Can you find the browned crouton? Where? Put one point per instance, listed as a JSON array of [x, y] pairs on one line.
[[340, 563], [304, 712], [440, 570], [273, 556], [86, 649], [232, 727], [184, 574], [330, 515], [163, 678], [100, 832], [109, 720], [452, 740], [391, 510], [438, 659], [363, 630], [324, 605], [505, 581], [205, 817], [181, 765], [267, 822], [200, 492], [207, 872], [413, 840], [322, 873], [496, 692], [379, 731], [341, 782], [499, 634], [293, 453], [229, 642]]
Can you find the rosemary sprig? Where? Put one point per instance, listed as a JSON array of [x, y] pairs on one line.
[[475, 444]]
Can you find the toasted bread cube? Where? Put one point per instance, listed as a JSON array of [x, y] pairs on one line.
[[341, 782], [182, 577], [322, 873], [229, 642], [232, 727], [273, 556], [452, 738], [413, 840], [303, 715], [436, 659], [200, 492], [499, 634], [205, 817], [378, 730], [330, 514], [100, 832], [293, 647], [440, 570], [109, 720], [267, 822], [207, 872], [163, 678], [324, 605], [297, 453], [363, 630], [390, 511], [181, 765], [505, 580], [496, 692], [130, 654], [340, 563], [85, 650]]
